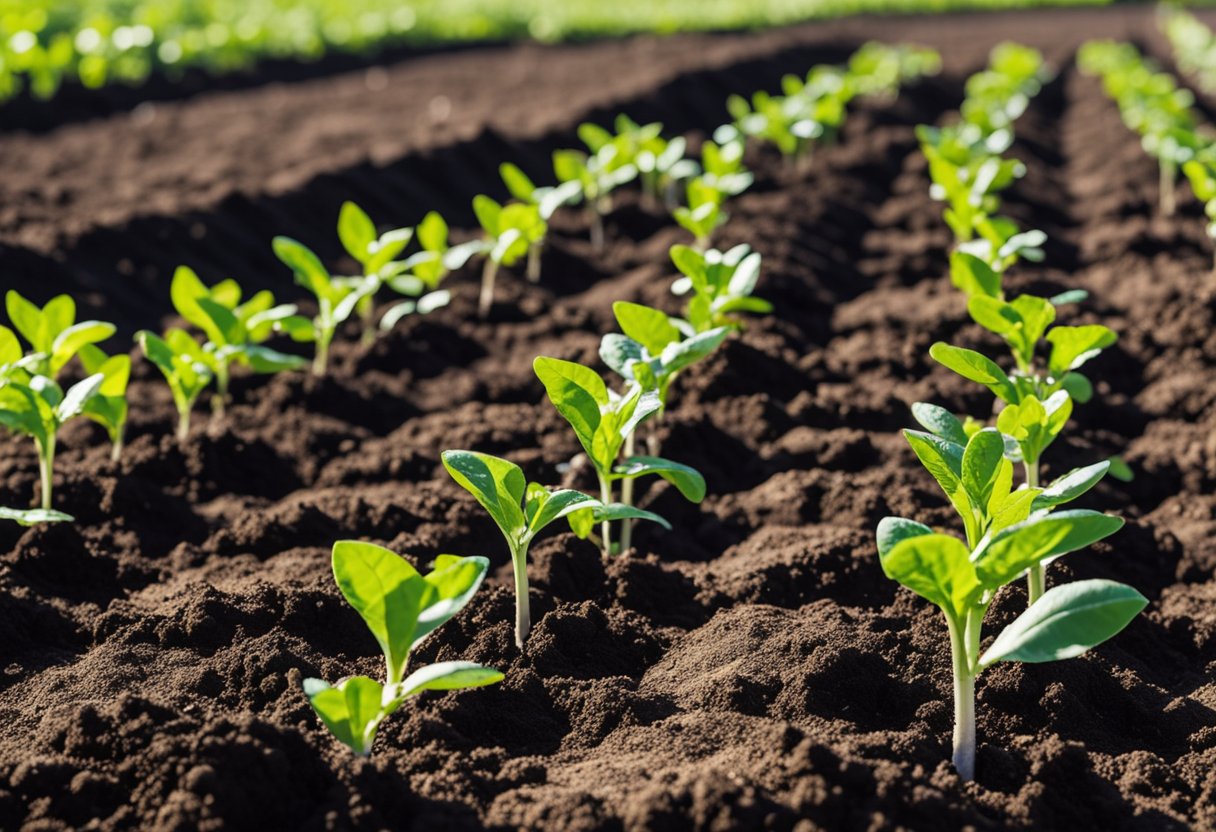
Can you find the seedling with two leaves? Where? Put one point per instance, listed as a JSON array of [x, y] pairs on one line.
[[236, 332], [186, 366], [52, 332], [603, 421], [512, 232], [721, 286], [596, 175], [1008, 532], [378, 255], [401, 607], [545, 199]]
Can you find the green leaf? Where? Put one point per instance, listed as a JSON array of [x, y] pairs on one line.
[[892, 530], [982, 463], [77, 397], [1120, 470], [310, 272], [1011, 551], [432, 232], [1072, 485], [455, 583], [388, 594], [1072, 346], [356, 231], [619, 352], [488, 214], [619, 511], [1066, 621], [517, 182], [497, 484], [26, 319], [649, 327], [449, 676], [973, 276], [554, 505], [71, 340], [973, 366], [10, 347], [688, 480], [944, 460], [351, 711], [937, 568], [940, 422], [578, 393]]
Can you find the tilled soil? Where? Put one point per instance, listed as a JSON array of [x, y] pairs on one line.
[[753, 668]]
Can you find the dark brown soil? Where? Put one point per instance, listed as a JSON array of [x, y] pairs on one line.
[[753, 669]]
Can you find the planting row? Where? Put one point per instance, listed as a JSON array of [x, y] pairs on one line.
[[1010, 528]]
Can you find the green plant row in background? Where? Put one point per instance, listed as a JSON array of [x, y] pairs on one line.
[[44, 43]]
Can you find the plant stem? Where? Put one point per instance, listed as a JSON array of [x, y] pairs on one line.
[[220, 399], [46, 468], [534, 251], [1036, 578], [523, 609], [597, 228], [367, 314], [183, 423], [116, 448], [320, 363], [488, 275], [606, 527], [964, 703], [627, 499]]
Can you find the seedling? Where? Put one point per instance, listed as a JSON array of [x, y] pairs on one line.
[[336, 299], [879, 70], [235, 331], [1005, 537], [546, 200], [721, 284], [109, 407], [522, 510], [52, 332], [662, 165], [703, 214], [602, 421], [377, 255], [596, 175], [401, 608], [435, 261], [1038, 400], [35, 405], [512, 231], [185, 366]]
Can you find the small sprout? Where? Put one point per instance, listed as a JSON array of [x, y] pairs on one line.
[[1005, 537], [512, 231], [721, 284], [52, 332], [521, 510], [602, 421], [38, 407], [376, 254], [1201, 173], [185, 366], [704, 214], [546, 200], [236, 332], [109, 407], [336, 299], [401, 607], [596, 175]]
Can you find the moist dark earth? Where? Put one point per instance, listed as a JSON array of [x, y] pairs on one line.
[[753, 668]]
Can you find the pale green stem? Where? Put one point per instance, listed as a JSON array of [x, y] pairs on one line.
[[1166, 169], [1036, 578], [46, 468], [964, 703], [183, 423], [627, 499], [488, 275], [320, 364], [523, 609], [606, 526], [220, 399], [597, 228], [367, 314], [534, 251], [117, 446]]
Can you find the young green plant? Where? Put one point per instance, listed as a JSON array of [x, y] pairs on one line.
[[521, 510], [36, 406], [185, 366], [1006, 535], [377, 256], [602, 421], [512, 231], [546, 200], [721, 284], [596, 176], [109, 407], [236, 332], [400, 607], [336, 299], [52, 332]]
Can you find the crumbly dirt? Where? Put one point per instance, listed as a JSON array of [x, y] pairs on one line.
[[751, 670]]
